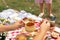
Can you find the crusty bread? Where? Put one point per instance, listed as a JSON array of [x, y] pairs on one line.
[[30, 26], [21, 37]]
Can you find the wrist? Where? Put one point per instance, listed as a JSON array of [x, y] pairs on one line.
[[43, 31]]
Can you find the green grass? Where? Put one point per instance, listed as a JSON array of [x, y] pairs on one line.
[[30, 6]]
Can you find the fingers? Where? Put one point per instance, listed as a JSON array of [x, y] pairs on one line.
[[46, 22]]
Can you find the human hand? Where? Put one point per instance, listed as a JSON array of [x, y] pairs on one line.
[[43, 29], [58, 38], [19, 23], [45, 25]]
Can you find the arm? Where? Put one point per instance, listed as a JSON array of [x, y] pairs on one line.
[[14, 26], [44, 27], [58, 38]]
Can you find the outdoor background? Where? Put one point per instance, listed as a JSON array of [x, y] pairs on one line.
[[30, 6]]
